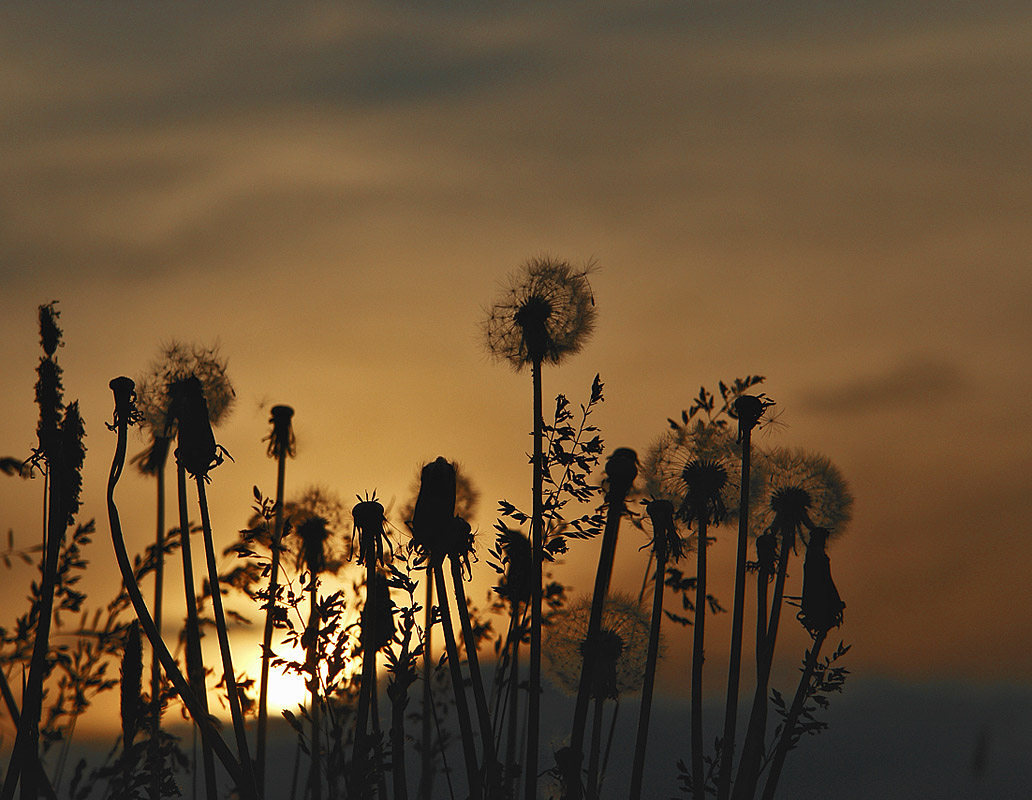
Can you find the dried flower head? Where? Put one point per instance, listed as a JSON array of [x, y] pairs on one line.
[[175, 363], [619, 651], [371, 530], [821, 608], [434, 513], [666, 466], [804, 490], [516, 583], [320, 504], [546, 313], [281, 439], [665, 538]]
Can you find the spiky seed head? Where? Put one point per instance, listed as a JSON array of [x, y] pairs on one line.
[[827, 503], [176, 362], [704, 482], [546, 314]]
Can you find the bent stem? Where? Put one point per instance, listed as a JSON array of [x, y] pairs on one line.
[[168, 663], [788, 732]]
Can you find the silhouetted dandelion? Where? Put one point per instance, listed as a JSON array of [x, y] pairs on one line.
[[546, 314], [792, 472], [805, 491], [281, 446], [565, 643], [175, 363], [820, 611]]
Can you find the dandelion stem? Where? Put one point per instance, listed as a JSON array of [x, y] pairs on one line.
[[788, 732], [698, 642], [159, 591], [490, 760], [659, 550], [734, 670], [312, 666], [537, 544], [752, 749], [426, 774], [620, 483], [194, 660], [168, 662], [458, 687], [246, 786], [263, 688], [595, 748]]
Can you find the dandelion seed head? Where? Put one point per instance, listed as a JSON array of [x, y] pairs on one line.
[[545, 314], [664, 467], [803, 488], [623, 639], [324, 506], [176, 362]]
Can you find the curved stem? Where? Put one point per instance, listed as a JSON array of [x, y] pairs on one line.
[[168, 663]]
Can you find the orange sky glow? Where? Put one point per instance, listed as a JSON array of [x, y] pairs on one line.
[[835, 198]]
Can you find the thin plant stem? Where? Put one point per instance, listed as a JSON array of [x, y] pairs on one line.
[[26, 743], [752, 749], [698, 642], [247, 786], [159, 584], [458, 688], [595, 748], [263, 687], [785, 742], [609, 743], [194, 660], [651, 657], [616, 506], [489, 760], [426, 770], [312, 665], [734, 670], [360, 758], [168, 662], [12, 709], [537, 544]]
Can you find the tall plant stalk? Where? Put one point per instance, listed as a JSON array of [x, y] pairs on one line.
[[661, 513], [749, 409], [125, 415], [621, 469], [281, 445], [537, 583], [426, 764], [788, 732]]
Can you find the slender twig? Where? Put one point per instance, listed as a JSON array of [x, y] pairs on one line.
[[788, 732]]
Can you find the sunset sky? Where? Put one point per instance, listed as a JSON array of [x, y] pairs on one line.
[[835, 196]]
